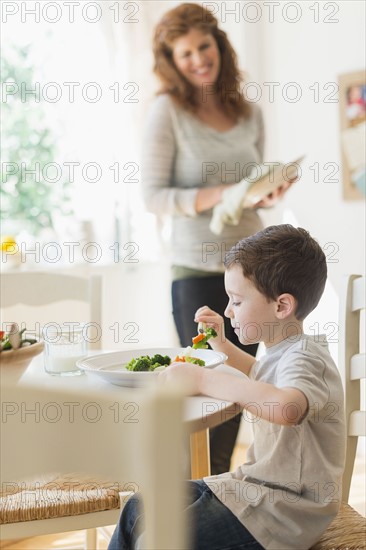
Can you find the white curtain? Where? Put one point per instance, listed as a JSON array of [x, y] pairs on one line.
[[128, 31]]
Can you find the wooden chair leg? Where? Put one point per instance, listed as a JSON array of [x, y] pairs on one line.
[[91, 539]]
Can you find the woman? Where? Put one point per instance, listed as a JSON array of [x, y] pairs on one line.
[[201, 137]]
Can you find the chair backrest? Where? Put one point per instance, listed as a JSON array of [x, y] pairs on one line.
[[352, 367], [38, 289], [136, 442]]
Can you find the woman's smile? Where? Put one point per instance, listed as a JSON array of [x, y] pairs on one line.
[[197, 57]]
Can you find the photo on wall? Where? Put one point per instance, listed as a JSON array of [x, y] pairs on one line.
[[352, 104]]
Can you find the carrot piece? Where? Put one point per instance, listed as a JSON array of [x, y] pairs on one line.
[[198, 338], [180, 359]]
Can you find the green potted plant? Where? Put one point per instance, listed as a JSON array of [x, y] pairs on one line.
[[27, 199]]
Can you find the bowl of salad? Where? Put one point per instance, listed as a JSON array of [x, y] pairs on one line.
[[17, 349], [139, 367]]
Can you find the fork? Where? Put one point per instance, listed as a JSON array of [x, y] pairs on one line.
[[201, 327]]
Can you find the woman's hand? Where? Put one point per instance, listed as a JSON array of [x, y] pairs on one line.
[[212, 319], [209, 197], [187, 375]]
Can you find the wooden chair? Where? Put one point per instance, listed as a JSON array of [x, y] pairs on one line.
[[133, 444], [38, 289], [45, 293], [348, 529]]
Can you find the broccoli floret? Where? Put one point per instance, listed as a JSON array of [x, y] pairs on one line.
[[210, 333], [200, 345], [162, 360], [195, 361], [141, 364], [147, 363], [131, 364]]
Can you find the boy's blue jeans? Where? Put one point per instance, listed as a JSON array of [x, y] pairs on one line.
[[213, 526]]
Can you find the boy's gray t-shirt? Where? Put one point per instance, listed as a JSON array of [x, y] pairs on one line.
[[289, 489]]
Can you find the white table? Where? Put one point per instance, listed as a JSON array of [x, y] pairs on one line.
[[201, 412]]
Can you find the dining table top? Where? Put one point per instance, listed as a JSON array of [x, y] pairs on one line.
[[200, 412]]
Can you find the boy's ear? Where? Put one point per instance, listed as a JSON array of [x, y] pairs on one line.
[[285, 306]]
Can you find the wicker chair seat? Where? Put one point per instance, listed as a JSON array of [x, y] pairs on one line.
[[59, 497], [346, 532]]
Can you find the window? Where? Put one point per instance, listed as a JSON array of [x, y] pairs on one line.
[[81, 70]]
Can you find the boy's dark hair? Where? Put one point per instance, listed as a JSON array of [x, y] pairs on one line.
[[283, 259]]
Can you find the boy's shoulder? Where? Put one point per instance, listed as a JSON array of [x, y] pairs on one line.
[[307, 343], [304, 351], [313, 349], [305, 364]]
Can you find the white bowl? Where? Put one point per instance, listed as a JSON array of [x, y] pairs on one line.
[[111, 366]]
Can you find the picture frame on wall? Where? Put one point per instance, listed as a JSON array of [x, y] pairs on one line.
[[352, 108]]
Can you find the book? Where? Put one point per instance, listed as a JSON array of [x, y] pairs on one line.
[[275, 176]]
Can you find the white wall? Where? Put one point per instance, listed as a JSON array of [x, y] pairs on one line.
[[306, 52]]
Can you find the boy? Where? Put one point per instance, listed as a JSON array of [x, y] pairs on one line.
[[288, 491]]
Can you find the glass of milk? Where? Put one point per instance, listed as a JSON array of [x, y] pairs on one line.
[[64, 345]]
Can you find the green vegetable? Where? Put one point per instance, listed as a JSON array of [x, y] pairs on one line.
[[139, 363], [195, 361], [162, 360], [146, 363], [209, 333], [6, 344]]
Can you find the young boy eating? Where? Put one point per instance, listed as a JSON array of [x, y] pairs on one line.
[[289, 489]]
